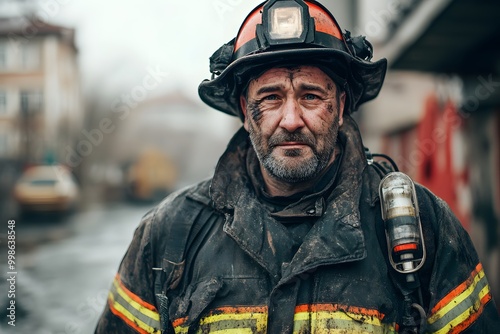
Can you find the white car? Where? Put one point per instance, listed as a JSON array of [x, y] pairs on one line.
[[46, 188]]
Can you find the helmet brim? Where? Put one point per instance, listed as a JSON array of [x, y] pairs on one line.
[[363, 79]]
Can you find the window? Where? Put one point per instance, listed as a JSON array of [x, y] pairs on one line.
[[30, 56], [20, 55], [31, 102], [3, 54], [3, 102], [4, 142]]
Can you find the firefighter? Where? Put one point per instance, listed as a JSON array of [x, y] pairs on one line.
[[290, 234]]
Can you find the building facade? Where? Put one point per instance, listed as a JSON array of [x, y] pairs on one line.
[[40, 100], [438, 114]]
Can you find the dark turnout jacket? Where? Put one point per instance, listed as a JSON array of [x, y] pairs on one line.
[[251, 270]]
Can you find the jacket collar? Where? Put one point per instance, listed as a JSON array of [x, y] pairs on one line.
[[335, 237]]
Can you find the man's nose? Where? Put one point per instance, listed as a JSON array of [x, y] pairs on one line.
[[291, 119]]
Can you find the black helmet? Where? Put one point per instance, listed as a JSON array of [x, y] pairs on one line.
[[292, 32]]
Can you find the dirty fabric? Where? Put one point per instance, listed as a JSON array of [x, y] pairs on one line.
[[248, 270]]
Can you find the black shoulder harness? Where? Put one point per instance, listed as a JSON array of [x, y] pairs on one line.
[[175, 225]]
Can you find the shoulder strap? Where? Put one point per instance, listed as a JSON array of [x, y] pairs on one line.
[[169, 243], [408, 290]]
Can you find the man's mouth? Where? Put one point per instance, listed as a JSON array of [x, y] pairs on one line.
[[291, 144]]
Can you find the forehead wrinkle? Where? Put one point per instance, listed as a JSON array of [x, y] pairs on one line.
[[297, 82], [270, 88], [293, 76], [313, 87]]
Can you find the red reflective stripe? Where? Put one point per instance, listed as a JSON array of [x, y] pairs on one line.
[[124, 318], [404, 247], [133, 296], [458, 290], [469, 321], [179, 322]]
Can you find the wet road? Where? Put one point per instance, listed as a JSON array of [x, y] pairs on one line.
[[64, 269]]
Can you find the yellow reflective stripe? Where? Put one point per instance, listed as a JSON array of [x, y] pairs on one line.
[[462, 306], [181, 329], [233, 331], [341, 322], [135, 312], [457, 300], [484, 291], [322, 315], [228, 323], [130, 316], [147, 312], [236, 321], [465, 314], [459, 319], [233, 316]]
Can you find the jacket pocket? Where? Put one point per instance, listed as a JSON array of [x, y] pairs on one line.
[[186, 309]]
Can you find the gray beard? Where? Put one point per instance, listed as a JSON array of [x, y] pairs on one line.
[[302, 172], [305, 171]]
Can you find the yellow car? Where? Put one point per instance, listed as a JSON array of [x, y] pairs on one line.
[[46, 189]]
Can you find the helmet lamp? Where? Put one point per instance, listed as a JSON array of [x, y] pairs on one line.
[[284, 22]]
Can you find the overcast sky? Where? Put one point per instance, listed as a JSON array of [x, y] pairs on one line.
[[119, 40]]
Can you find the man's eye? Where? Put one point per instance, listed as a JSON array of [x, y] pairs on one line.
[[271, 97], [310, 97]]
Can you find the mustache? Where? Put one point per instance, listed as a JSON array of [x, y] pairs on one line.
[[299, 137]]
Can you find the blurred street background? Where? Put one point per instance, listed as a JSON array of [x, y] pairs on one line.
[[100, 119]]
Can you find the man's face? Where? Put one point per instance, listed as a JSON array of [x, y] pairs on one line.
[[293, 115]]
